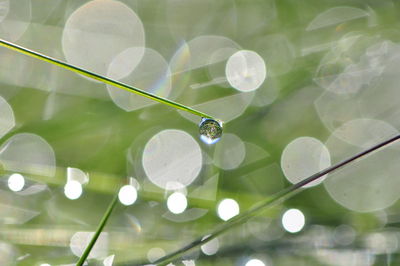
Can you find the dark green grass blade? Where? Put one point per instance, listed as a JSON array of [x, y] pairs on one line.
[[99, 229], [100, 78], [283, 194]]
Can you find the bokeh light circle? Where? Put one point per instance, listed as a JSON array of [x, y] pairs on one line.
[[336, 15], [98, 31], [278, 52], [172, 157], [77, 174], [73, 190], [230, 152], [293, 220], [16, 182], [125, 62], [15, 18], [227, 209], [245, 70], [28, 153], [155, 253], [177, 202], [80, 240], [127, 195], [7, 119], [211, 247], [151, 74], [255, 262], [370, 184], [304, 157], [4, 9]]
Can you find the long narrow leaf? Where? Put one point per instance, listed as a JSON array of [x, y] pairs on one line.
[[283, 194], [99, 229], [98, 77]]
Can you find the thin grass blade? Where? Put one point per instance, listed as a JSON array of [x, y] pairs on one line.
[[100, 78], [272, 201], [99, 229]]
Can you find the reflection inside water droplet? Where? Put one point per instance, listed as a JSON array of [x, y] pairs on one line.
[[210, 130]]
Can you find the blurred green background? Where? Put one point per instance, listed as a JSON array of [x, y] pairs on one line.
[[299, 84]]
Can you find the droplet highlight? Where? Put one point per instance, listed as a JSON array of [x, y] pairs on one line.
[[210, 130]]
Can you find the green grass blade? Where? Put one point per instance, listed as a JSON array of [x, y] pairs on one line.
[[100, 78], [283, 194], [99, 229]]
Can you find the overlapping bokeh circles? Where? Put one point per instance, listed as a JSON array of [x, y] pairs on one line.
[[15, 17], [370, 184], [303, 157], [225, 59], [172, 158], [152, 74], [359, 87], [246, 71], [230, 152], [98, 31], [28, 153], [212, 53], [7, 119]]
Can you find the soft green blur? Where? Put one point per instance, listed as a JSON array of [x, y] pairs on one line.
[[88, 131]]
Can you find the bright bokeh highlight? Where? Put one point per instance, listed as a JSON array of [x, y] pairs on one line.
[[303, 157], [73, 190], [227, 209], [293, 220], [16, 182], [172, 157], [100, 30], [245, 71], [177, 202], [255, 262], [211, 247], [127, 195]]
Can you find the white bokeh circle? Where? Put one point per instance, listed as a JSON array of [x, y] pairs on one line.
[[177, 202], [7, 119], [16, 182], [230, 152], [73, 190], [255, 262], [80, 240], [369, 184], [245, 70], [172, 157], [28, 153], [293, 220], [151, 74], [211, 247], [15, 18], [227, 209], [304, 157], [98, 31], [127, 195]]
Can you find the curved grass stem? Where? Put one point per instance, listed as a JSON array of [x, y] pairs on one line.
[[283, 194], [99, 229], [100, 78]]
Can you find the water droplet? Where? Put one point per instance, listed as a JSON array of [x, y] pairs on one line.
[[210, 130]]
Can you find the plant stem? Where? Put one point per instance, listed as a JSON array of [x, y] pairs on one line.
[[285, 193], [99, 229], [98, 77]]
